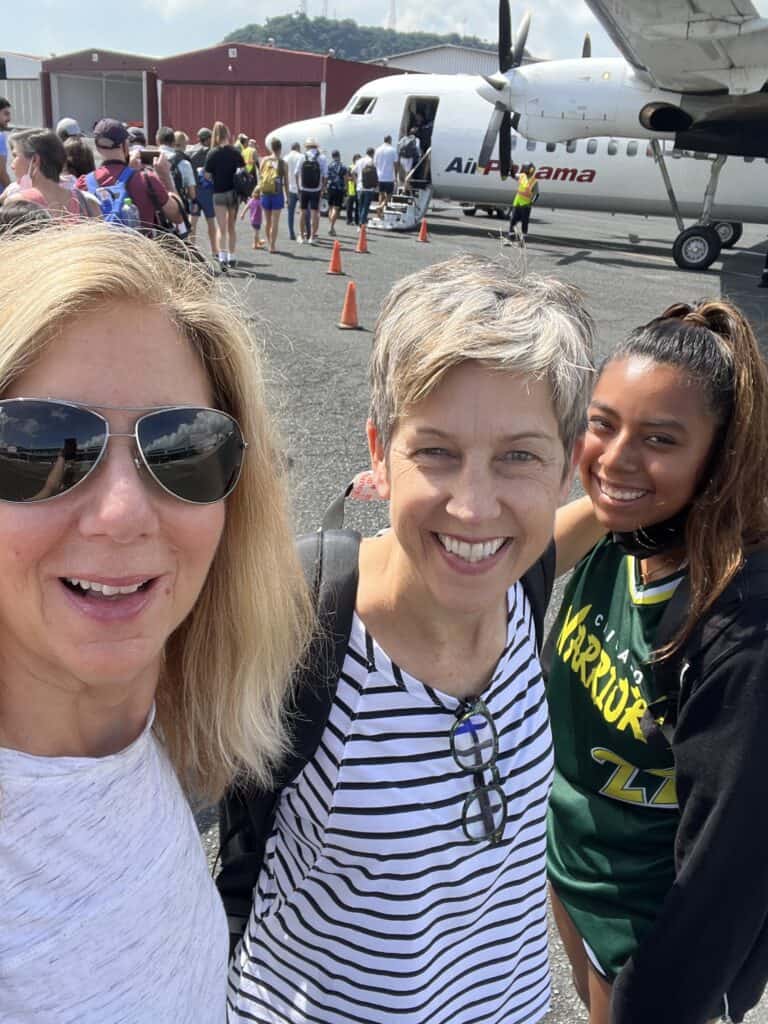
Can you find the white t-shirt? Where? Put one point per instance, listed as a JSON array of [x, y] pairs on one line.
[[292, 162], [322, 161], [372, 904], [385, 159], [108, 914]]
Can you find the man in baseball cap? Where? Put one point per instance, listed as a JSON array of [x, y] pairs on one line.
[[68, 128], [109, 134]]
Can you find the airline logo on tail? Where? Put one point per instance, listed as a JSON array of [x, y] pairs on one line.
[[460, 165]]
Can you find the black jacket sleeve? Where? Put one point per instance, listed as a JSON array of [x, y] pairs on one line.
[[711, 936]]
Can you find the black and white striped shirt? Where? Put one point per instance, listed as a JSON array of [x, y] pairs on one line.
[[372, 905]]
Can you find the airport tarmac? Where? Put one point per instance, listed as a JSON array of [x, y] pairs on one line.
[[318, 373]]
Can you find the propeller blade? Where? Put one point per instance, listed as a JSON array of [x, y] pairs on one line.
[[505, 34], [490, 136], [497, 80], [521, 38], [505, 144], [586, 50]]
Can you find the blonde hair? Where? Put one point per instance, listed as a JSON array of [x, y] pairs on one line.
[[475, 308], [221, 135], [226, 672], [180, 140]]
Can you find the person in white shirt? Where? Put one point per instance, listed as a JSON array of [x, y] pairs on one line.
[[128, 539], [367, 183], [292, 161], [386, 161], [182, 172], [311, 176]]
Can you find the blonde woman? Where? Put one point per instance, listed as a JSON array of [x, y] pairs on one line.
[[220, 167], [150, 612]]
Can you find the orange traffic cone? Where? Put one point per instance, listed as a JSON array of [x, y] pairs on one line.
[[423, 236], [334, 267], [362, 239], [349, 320]]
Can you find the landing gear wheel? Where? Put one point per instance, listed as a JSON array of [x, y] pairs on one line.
[[696, 248], [469, 211], [730, 232]]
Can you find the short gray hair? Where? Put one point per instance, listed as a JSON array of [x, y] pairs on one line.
[[477, 308]]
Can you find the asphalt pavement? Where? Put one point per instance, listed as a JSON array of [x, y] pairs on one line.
[[317, 373]]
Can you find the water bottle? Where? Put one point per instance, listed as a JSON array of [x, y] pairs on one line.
[[129, 216], [104, 197]]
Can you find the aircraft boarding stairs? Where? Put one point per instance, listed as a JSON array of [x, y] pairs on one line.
[[404, 210]]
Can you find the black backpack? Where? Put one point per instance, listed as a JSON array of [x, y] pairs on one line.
[[243, 183], [310, 173], [178, 182], [246, 817], [370, 177]]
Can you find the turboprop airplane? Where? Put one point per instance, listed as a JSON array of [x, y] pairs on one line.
[[695, 74], [611, 174]]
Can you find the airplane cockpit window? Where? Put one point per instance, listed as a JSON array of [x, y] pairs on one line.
[[613, 147], [363, 105], [530, 146], [551, 147], [570, 145], [592, 146], [632, 148]]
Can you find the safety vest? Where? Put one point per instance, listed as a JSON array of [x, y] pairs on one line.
[[525, 189]]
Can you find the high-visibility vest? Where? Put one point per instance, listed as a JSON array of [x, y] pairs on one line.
[[525, 188]]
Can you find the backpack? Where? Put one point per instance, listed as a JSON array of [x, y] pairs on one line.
[[269, 178], [164, 226], [178, 181], [408, 148], [243, 183], [336, 174], [369, 177], [112, 198], [246, 817], [311, 174]]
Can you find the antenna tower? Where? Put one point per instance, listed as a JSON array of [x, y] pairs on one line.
[[392, 16]]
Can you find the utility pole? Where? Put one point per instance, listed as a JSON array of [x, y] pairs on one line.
[[392, 16]]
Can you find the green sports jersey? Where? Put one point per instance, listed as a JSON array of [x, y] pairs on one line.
[[613, 811]]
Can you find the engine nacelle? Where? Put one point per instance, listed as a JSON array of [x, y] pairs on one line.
[[665, 117]]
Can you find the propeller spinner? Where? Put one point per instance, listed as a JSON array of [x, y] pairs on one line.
[[511, 52]]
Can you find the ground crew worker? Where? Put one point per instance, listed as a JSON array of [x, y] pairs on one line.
[[527, 191]]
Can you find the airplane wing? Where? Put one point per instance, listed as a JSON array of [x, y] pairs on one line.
[[690, 45]]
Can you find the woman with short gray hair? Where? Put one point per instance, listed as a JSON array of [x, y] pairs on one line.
[[405, 876]]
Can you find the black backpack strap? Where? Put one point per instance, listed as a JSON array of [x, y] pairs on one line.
[[537, 584], [246, 814]]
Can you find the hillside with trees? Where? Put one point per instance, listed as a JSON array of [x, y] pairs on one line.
[[346, 38]]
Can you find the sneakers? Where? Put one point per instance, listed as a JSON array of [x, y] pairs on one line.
[[312, 240], [300, 240], [332, 232]]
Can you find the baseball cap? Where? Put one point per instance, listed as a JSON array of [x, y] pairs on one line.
[[204, 133], [310, 143], [68, 126], [109, 133], [137, 136]]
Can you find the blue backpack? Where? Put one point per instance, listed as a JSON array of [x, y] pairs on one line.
[[112, 199]]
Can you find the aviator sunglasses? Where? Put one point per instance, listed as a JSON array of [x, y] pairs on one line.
[[48, 446]]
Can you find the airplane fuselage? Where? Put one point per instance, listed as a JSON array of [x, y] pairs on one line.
[[598, 173]]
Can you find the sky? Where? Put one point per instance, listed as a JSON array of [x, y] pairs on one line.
[[163, 27]]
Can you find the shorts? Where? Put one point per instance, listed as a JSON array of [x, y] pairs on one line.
[[203, 204], [336, 197], [310, 200], [228, 199], [386, 188], [275, 201]]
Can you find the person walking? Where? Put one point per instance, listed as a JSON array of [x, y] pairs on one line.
[[353, 214], [367, 183], [254, 211], [311, 175], [337, 177], [387, 168], [291, 162], [202, 205], [220, 166], [526, 195], [184, 179], [273, 189]]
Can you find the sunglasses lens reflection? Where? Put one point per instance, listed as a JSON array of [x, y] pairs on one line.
[[46, 448]]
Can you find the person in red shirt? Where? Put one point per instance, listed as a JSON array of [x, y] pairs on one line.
[[111, 140]]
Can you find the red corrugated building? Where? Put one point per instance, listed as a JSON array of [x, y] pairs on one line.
[[251, 88]]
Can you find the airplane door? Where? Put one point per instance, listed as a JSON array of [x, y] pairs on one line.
[[419, 112]]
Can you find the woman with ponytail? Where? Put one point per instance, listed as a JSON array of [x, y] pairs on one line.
[[658, 686]]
